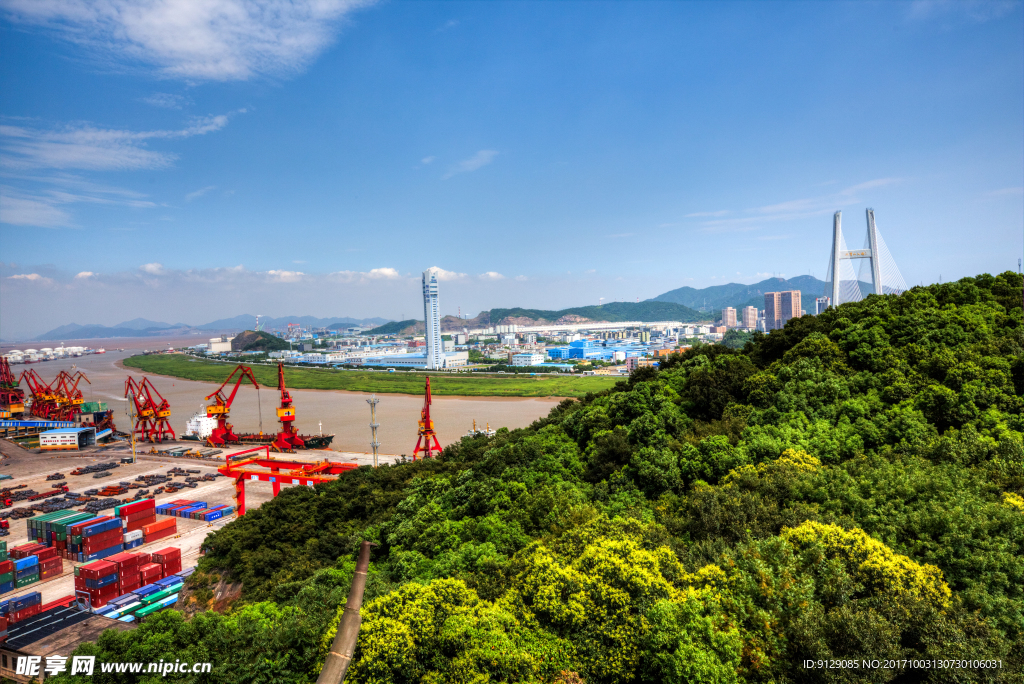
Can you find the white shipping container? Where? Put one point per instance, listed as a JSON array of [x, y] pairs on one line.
[[133, 535]]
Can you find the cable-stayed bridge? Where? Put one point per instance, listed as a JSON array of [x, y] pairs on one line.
[[877, 272]]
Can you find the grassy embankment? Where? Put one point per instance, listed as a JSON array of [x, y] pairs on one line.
[[441, 384]]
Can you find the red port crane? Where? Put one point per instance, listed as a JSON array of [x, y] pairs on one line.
[[287, 439], [68, 397], [224, 432], [427, 442], [152, 411], [12, 397], [44, 404], [241, 466]]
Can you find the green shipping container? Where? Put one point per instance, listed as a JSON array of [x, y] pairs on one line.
[[3, 556], [6, 577], [143, 612], [161, 594], [25, 581]]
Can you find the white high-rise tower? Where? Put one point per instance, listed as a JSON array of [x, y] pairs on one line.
[[432, 320]]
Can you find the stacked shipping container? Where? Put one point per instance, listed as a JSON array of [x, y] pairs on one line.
[[196, 510]]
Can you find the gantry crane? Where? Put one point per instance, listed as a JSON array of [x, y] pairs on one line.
[[12, 397], [287, 439], [152, 411], [68, 397], [44, 404], [427, 442], [219, 410], [241, 466]]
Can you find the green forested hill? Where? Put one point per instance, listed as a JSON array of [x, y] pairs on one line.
[[612, 312], [847, 489]]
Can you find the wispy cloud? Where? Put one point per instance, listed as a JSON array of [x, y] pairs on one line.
[[43, 206], [84, 146], [477, 161], [703, 214], [977, 11], [199, 193], [167, 100], [285, 276], [218, 40], [491, 275], [1005, 192], [427, 160], [153, 268], [447, 26], [757, 217], [85, 274], [28, 276]]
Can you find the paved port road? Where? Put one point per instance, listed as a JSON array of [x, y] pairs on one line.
[[31, 470], [345, 414]]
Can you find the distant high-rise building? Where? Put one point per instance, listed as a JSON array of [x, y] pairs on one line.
[[750, 317], [729, 317], [820, 304], [790, 306], [432, 320], [772, 310]]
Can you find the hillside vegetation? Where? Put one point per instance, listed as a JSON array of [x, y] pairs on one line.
[[252, 340], [441, 384], [846, 489]]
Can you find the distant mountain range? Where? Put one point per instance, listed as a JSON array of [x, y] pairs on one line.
[[142, 327], [715, 298]]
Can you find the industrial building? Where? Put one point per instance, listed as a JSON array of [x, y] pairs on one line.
[[527, 359], [67, 439]]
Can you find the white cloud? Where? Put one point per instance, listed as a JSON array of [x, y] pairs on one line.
[[385, 273], [27, 276], [219, 40], [285, 276], [87, 147], [167, 100], [443, 275], [978, 11], [199, 193], [1006, 192], [755, 218], [153, 269], [32, 211], [520, 278], [477, 161], [85, 274], [427, 160], [491, 275], [702, 214]]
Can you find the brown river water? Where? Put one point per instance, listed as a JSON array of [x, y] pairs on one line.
[[346, 414]]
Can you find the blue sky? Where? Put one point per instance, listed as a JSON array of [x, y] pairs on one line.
[[185, 161]]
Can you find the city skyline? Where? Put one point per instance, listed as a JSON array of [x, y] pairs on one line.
[[150, 172]]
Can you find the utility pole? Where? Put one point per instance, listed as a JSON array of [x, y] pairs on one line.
[[132, 415], [375, 444]]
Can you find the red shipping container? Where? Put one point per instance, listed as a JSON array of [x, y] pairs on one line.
[[140, 515], [164, 554], [140, 524], [98, 603], [52, 572], [165, 524], [59, 602], [80, 584], [77, 528], [125, 561], [145, 558], [6, 567], [25, 550], [52, 563], [129, 588], [46, 553], [108, 592], [130, 577], [172, 567], [149, 569], [157, 536], [95, 570]]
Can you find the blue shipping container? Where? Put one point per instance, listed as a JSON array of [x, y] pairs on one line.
[[21, 563], [101, 582], [30, 570], [101, 527], [4, 588], [118, 548]]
